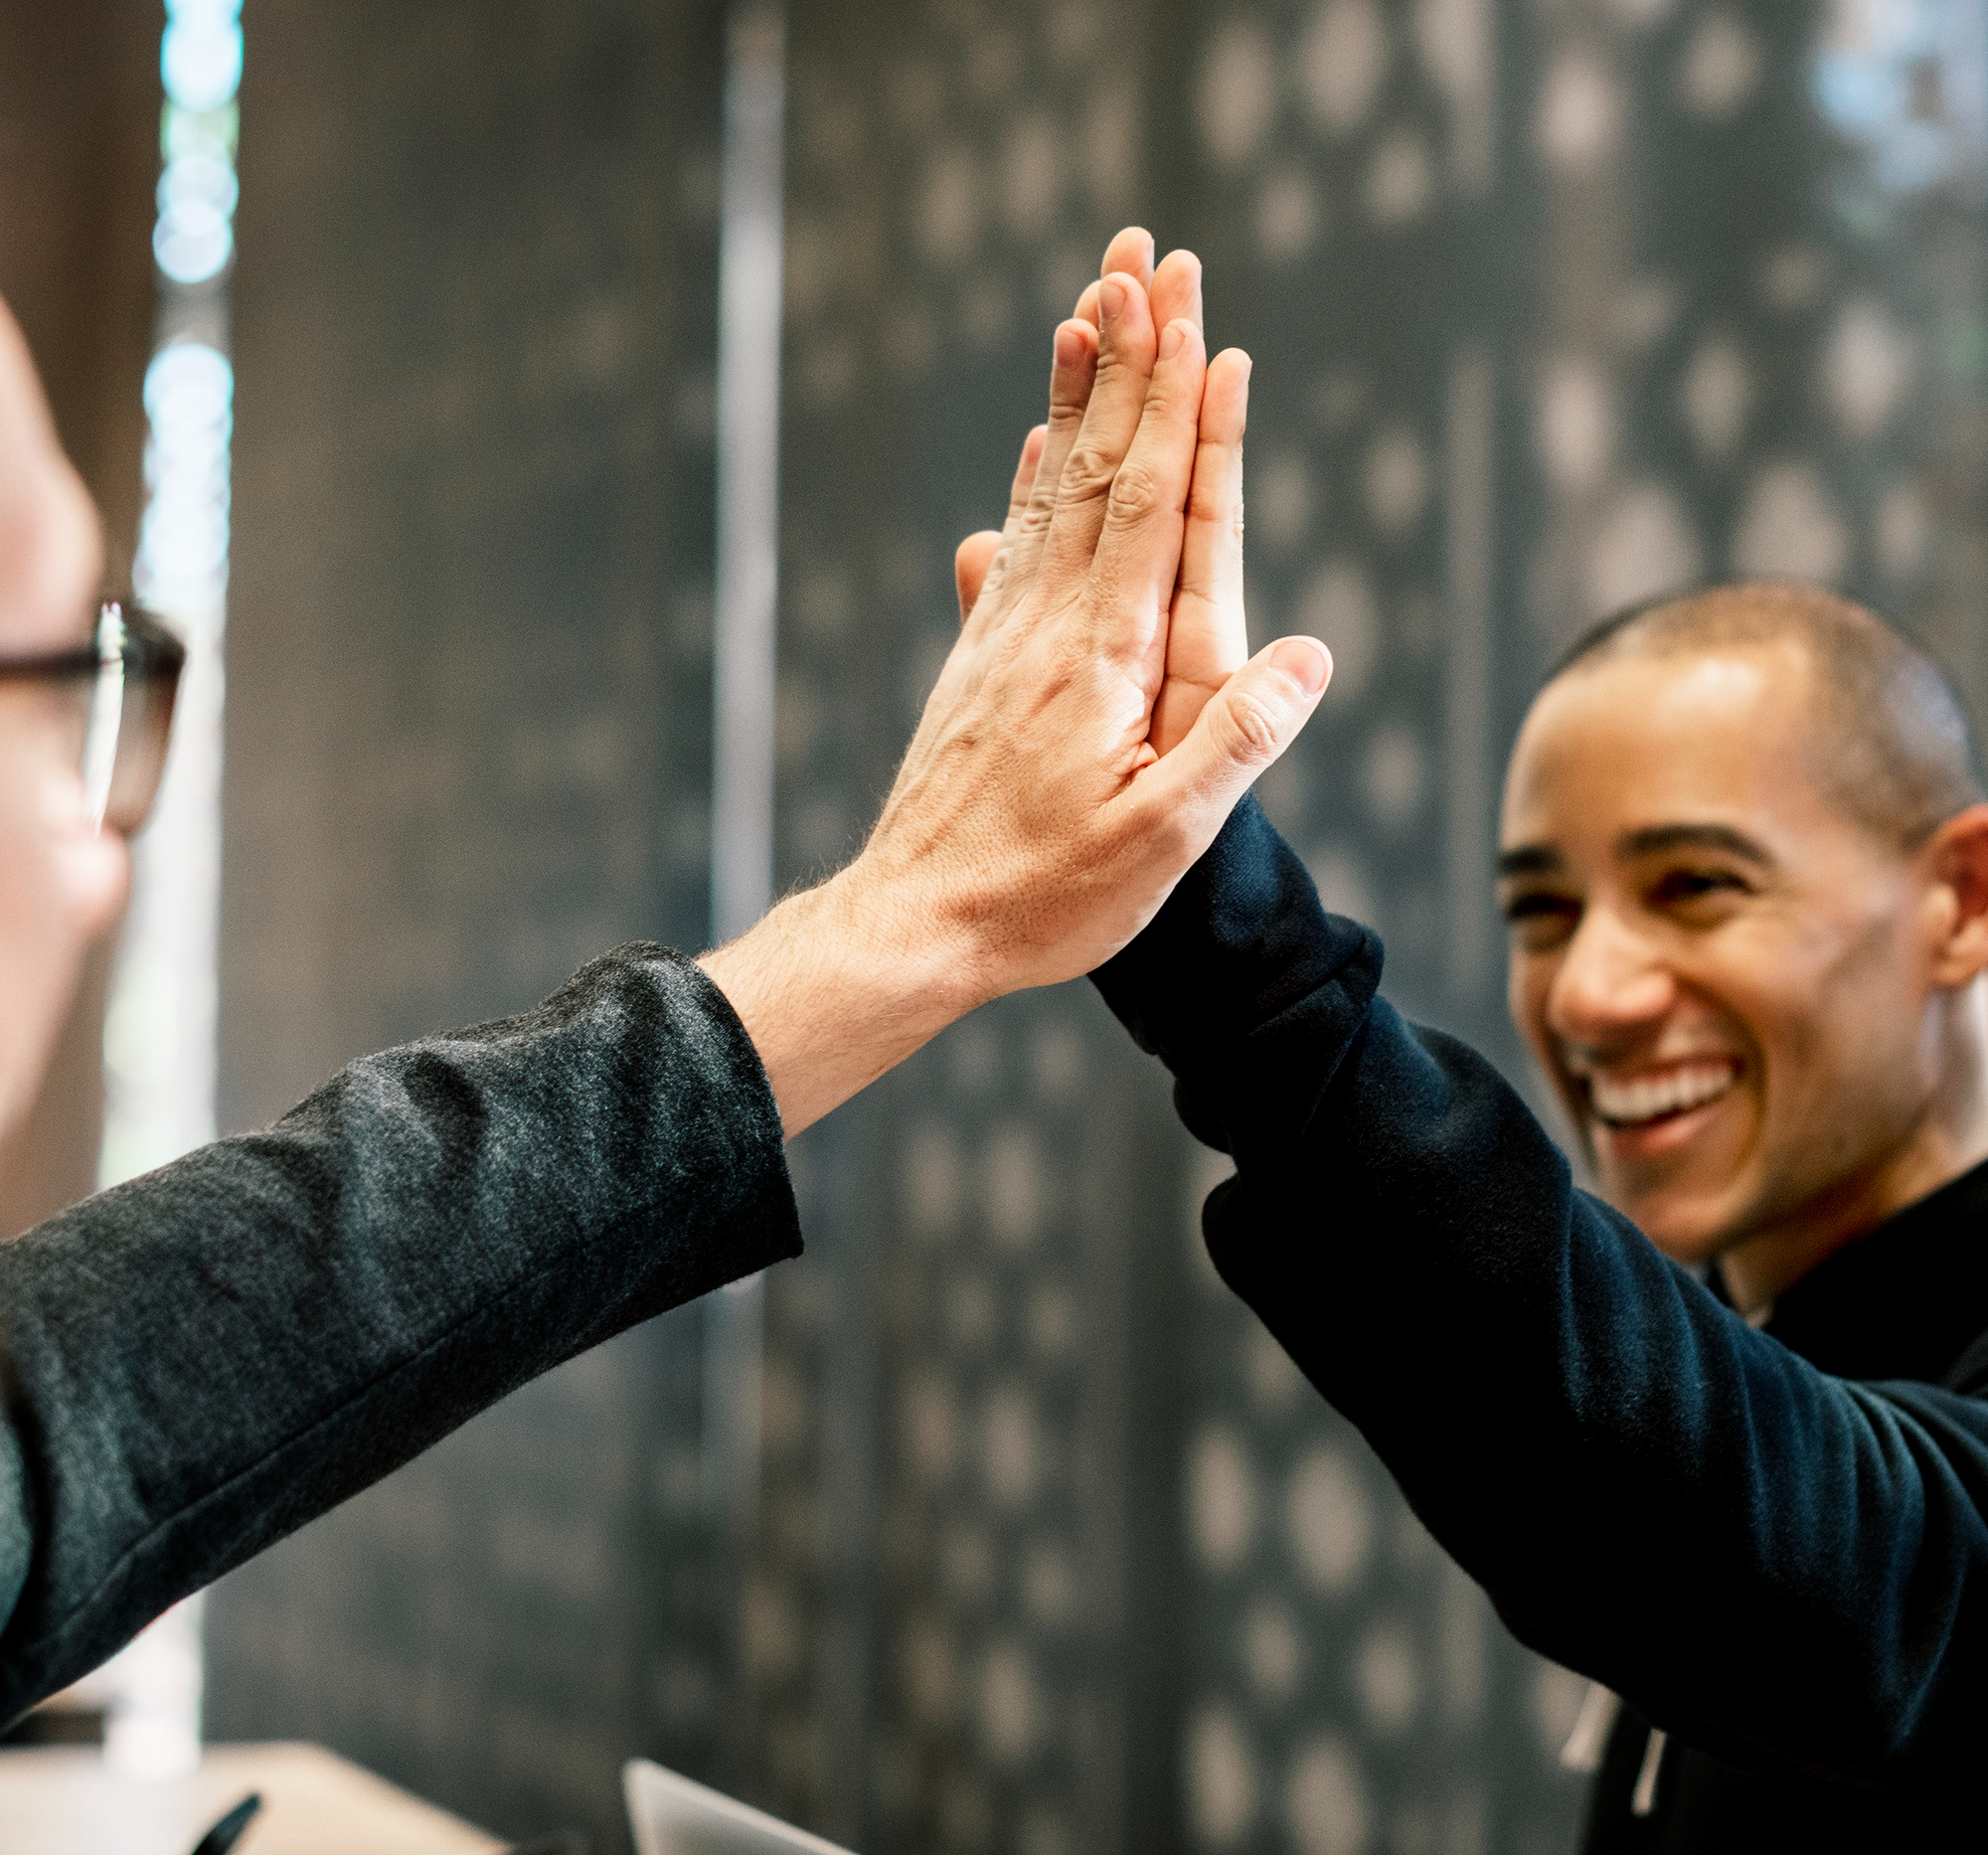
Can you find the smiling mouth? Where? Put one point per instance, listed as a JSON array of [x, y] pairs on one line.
[[1664, 1095]]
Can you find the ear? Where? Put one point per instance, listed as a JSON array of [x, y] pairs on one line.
[[1958, 852]]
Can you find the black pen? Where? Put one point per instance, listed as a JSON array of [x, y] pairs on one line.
[[228, 1831]]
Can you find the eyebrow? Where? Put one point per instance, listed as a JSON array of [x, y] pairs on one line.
[[1655, 838], [1530, 860], [1651, 840]]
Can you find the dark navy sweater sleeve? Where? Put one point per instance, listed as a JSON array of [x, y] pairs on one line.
[[1782, 1567], [196, 1363]]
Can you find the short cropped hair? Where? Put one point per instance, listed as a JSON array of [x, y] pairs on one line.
[[1897, 754]]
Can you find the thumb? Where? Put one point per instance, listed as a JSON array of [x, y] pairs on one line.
[[1247, 723]]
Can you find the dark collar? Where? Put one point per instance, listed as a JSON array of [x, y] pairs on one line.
[[1903, 1302]]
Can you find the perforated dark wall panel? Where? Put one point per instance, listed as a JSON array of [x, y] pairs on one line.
[[468, 746], [1553, 307]]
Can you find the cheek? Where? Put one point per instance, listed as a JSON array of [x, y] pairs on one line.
[[1841, 1035], [60, 886], [1528, 980]]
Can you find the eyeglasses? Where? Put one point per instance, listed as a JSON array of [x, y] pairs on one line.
[[124, 684]]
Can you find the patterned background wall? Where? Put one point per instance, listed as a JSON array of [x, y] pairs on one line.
[[972, 1493], [1361, 205], [1552, 306], [470, 739]]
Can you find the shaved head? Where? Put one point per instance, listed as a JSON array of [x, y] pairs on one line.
[[1892, 747], [1745, 866]]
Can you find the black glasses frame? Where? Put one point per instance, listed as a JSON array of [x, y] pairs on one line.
[[135, 663]]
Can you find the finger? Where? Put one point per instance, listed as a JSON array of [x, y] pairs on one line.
[[1256, 714], [971, 562], [1176, 290], [1024, 476], [1125, 360], [978, 570], [1137, 555], [1207, 637], [1130, 254], [1071, 382]]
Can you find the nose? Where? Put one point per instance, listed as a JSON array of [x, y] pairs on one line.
[[1611, 986]]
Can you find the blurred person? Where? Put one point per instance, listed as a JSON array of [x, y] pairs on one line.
[[199, 1361], [1736, 1472]]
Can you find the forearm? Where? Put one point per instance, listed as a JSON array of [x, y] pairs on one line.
[[1774, 1562], [835, 986], [199, 1361], [1764, 1558]]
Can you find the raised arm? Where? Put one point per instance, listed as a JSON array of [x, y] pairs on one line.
[[199, 1361], [1781, 1566]]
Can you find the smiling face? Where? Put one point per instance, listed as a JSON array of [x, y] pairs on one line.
[[1730, 983]]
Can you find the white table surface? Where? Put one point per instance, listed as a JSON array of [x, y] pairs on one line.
[[60, 1800]]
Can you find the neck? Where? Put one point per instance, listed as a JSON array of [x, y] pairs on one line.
[[1950, 1137]]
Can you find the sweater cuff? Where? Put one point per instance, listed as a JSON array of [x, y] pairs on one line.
[[1243, 984]]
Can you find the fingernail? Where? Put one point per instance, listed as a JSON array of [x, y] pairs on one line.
[[1305, 660], [1111, 298], [1172, 340]]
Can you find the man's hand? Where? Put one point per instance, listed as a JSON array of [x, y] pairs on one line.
[[1207, 633], [1034, 827]]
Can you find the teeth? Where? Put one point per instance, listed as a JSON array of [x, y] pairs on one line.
[[1626, 1101]]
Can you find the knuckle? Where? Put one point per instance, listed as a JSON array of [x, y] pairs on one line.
[[1136, 493], [1204, 503], [1250, 726], [1088, 475], [1112, 359], [992, 587]]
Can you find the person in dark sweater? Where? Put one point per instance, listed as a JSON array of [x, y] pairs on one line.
[[196, 1361], [1737, 1473], [1733, 1463]]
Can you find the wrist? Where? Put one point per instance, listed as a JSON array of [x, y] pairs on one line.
[[838, 984], [902, 945]]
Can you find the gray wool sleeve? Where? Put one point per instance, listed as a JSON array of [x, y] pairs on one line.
[[196, 1363]]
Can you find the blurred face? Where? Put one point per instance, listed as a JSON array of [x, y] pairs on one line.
[[1727, 981], [61, 881]]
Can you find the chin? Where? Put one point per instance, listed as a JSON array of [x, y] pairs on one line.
[[1690, 1226], [1691, 1245]]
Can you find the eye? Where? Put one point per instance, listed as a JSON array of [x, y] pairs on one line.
[[1541, 919], [1697, 890]]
